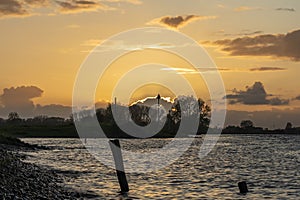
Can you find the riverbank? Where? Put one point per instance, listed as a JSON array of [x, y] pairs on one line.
[[21, 180], [69, 131]]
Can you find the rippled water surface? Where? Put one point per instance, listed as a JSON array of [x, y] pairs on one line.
[[270, 164]]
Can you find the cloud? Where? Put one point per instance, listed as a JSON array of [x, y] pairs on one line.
[[242, 33], [286, 9], [255, 95], [178, 21], [24, 8], [74, 6], [37, 3], [12, 8], [113, 45], [166, 102], [297, 98], [263, 69], [220, 69], [190, 71], [19, 99], [275, 45], [245, 8], [135, 2], [278, 102], [18, 8]]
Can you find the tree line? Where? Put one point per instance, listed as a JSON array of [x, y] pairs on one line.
[[186, 107], [183, 107], [142, 115]]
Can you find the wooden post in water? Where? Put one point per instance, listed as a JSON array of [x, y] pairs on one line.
[[115, 107], [158, 98], [243, 187], [117, 154]]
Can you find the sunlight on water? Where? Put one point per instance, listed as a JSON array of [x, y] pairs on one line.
[[269, 164]]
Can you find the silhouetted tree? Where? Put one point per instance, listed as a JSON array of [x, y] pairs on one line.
[[34, 121], [13, 116], [108, 115], [187, 106], [100, 113], [40, 119], [246, 124], [184, 106], [288, 126], [205, 112], [140, 114], [54, 121], [2, 121]]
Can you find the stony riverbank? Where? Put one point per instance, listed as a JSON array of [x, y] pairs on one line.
[[21, 180]]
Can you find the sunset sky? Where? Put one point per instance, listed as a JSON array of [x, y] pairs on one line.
[[255, 45]]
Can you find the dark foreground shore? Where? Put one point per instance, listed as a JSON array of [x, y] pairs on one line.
[[21, 180]]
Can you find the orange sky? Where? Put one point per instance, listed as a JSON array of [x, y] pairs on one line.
[[43, 44]]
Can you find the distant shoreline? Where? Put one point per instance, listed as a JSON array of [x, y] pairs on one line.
[[69, 131]]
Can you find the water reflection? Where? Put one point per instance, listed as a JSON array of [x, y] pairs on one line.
[[269, 164]]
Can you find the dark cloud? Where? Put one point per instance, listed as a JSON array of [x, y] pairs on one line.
[[242, 33], [37, 2], [19, 99], [241, 69], [15, 8], [12, 8], [297, 98], [253, 33], [21, 8], [286, 9], [176, 21], [255, 95], [278, 102], [262, 69], [179, 21], [280, 45], [245, 33], [78, 6]]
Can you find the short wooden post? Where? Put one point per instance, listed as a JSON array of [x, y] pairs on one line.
[[243, 187], [117, 154]]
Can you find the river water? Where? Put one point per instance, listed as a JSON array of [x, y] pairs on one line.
[[270, 164]]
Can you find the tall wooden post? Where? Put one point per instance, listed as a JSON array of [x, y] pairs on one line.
[[243, 187], [117, 154], [115, 105], [158, 98]]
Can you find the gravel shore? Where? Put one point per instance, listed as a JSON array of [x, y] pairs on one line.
[[21, 180]]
